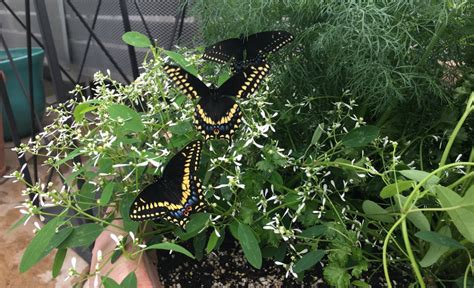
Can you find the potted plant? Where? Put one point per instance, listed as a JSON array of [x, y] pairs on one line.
[[296, 212]]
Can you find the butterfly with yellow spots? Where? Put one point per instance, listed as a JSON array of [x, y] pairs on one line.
[[176, 194], [217, 115], [244, 51]]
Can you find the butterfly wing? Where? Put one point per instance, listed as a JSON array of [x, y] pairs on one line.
[[244, 83], [217, 118], [260, 44], [176, 193], [189, 84], [224, 51]]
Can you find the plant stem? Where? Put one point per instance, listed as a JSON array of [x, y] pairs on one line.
[[468, 110], [414, 265]]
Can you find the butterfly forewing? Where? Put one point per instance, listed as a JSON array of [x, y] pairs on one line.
[[260, 44], [244, 83], [224, 51], [176, 194], [189, 84]]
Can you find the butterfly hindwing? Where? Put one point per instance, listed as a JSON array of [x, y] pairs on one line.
[[244, 83], [174, 195], [217, 119], [189, 84]]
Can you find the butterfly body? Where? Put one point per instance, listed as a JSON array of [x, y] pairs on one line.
[[217, 115], [176, 194], [244, 51]]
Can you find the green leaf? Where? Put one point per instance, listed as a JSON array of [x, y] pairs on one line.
[[418, 176], [198, 243], [361, 136], [136, 39], [86, 196], [82, 235], [437, 238], [39, 246], [417, 218], [396, 188], [18, 223], [115, 256], [172, 247], [130, 281], [125, 204], [314, 231], [359, 283], [250, 246], [129, 118], [106, 194], [197, 223], [71, 155], [181, 128], [308, 260], [211, 244], [81, 110], [223, 77], [374, 211], [181, 61], [336, 276], [317, 134], [109, 283], [463, 215], [58, 262], [436, 251]]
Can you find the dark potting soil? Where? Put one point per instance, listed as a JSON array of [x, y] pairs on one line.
[[227, 267]]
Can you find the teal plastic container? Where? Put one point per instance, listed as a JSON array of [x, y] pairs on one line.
[[20, 103]]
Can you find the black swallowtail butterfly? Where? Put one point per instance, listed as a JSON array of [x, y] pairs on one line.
[[255, 47], [176, 194], [217, 115]]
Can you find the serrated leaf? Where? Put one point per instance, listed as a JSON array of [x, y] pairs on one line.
[[436, 251], [40, 244], [396, 188], [437, 238], [361, 136], [211, 244], [172, 247], [58, 262], [181, 61], [374, 211], [250, 246], [130, 281], [106, 194], [336, 276], [308, 260], [82, 236], [463, 215], [136, 39]]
